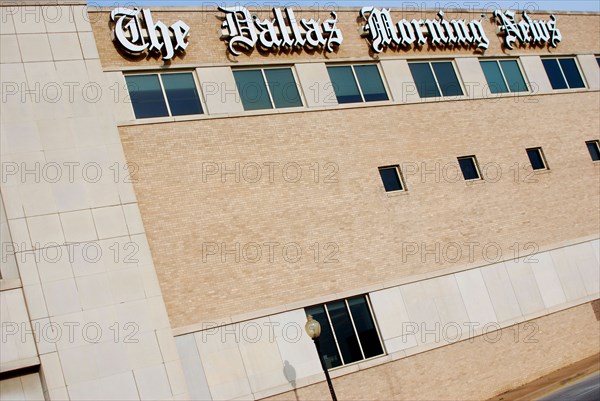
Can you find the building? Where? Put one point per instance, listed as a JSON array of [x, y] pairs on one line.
[[182, 186]]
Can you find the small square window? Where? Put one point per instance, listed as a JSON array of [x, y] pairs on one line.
[[594, 149], [435, 78], [468, 166], [357, 83], [392, 178], [537, 159], [264, 89]]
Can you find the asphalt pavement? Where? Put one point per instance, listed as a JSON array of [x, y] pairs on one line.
[[585, 389]]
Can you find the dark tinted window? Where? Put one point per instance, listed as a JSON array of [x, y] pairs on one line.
[[424, 79], [365, 327], [446, 77], [369, 88], [536, 158], [468, 168], [283, 87], [391, 179], [353, 328], [493, 76], [554, 73], [594, 149], [513, 75], [563, 73], [344, 332], [370, 83], [182, 94], [344, 84], [328, 348], [569, 68], [252, 89], [146, 96]]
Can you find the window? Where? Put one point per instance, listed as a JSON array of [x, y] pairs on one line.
[[435, 78], [536, 157], [594, 149], [392, 178], [563, 73], [267, 88], [503, 76], [348, 331], [357, 83], [163, 95], [468, 166]]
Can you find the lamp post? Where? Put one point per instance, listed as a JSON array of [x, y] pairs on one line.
[[313, 329]]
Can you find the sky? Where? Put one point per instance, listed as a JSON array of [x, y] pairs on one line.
[[577, 5]]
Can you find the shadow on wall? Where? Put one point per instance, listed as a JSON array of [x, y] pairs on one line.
[[290, 374], [595, 306]]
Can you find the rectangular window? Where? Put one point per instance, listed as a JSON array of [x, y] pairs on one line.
[[563, 73], [348, 331], [267, 88], [468, 166], [537, 159], [391, 178], [163, 95], [357, 83], [435, 78], [503, 76], [594, 149]]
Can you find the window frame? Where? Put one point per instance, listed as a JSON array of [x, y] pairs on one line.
[[268, 86], [581, 76], [357, 82], [335, 340], [542, 156], [437, 84], [398, 174], [595, 142], [477, 169], [521, 70], [164, 92]]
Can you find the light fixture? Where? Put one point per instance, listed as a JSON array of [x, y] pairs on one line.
[[313, 329]]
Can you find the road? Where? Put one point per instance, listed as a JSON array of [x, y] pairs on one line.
[[586, 389]]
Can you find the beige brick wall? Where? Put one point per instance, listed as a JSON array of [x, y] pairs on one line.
[[472, 370], [579, 33], [181, 212]]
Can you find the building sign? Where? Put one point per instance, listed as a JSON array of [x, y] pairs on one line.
[[136, 32], [527, 30], [438, 32], [245, 31]]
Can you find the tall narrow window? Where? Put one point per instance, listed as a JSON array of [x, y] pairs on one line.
[[163, 95], [468, 166], [262, 89], [503, 76], [357, 83], [435, 79], [537, 159], [563, 73], [594, 149], [348, 331]]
